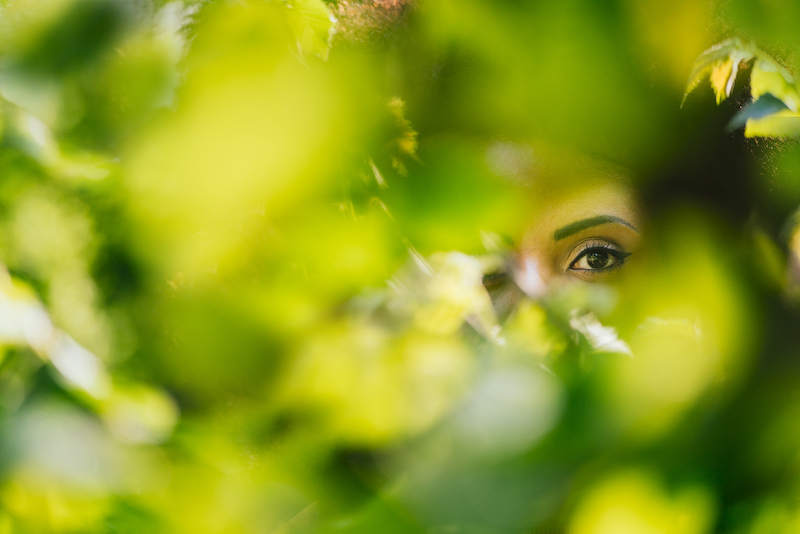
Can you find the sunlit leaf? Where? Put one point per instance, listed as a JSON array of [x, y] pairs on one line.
[[776, 99], [312, 24], [720, 63], [769, 77], [636, 501], [784, 123], [766, 105]]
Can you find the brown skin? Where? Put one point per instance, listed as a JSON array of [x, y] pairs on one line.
[[548, 259], [584, 225]]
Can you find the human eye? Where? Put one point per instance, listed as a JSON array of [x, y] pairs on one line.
[[596, 257]]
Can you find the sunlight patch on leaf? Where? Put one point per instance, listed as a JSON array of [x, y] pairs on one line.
[[770, 78], [782, 124], [638, 501], [763, 107]]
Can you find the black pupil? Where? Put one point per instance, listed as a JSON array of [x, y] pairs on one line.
[[597, 260]]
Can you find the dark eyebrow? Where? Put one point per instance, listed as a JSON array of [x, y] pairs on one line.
[[578, 226]]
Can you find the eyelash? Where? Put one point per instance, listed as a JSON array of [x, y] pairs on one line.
[[594, 246]]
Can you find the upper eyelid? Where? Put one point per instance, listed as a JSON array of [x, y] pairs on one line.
[[593, 243], [620, 255]]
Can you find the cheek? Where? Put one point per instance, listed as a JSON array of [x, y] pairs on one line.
[[590, 277]]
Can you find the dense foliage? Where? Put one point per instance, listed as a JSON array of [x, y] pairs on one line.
[[244, 248]]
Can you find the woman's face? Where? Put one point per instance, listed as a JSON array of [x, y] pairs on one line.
[[585, 232]]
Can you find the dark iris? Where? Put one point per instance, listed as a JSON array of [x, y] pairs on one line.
[[597, 259]]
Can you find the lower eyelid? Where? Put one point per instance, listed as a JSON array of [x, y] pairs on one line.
[[599, 274]]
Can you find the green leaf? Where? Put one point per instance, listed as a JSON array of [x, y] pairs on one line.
[[312, 24], [769, 77], [774, 112], [782, 124], [720, 63], [763, 107]]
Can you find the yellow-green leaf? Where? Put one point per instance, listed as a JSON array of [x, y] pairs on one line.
[[720, 75], [782, 124], [720, 62], [769, 77], [312, 24]]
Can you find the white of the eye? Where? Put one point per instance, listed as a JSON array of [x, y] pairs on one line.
[[583, 262]]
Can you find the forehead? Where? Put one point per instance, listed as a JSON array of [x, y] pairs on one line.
[[554, 210], [564, 186]]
